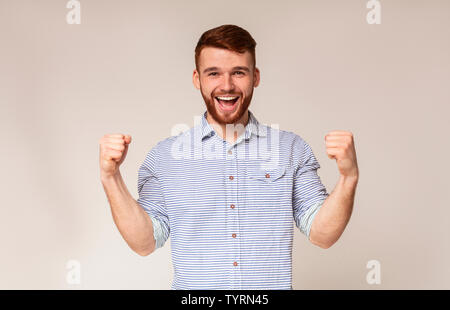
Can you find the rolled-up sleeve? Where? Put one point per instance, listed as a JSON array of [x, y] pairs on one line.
[[308, 191], [151, 197]]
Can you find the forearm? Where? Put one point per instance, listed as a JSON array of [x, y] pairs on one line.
[[133, 222], [332, 218]]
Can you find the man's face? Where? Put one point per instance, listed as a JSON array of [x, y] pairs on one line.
[[226, 80]]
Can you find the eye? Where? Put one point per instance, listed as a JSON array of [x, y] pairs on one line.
[[240, 72], [212, 73]]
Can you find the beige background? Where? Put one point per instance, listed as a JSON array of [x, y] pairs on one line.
[[127, 68]]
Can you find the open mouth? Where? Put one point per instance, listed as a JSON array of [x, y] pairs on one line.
[[227, 103]]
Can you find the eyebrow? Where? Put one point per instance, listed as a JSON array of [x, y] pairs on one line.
[[243, 68]]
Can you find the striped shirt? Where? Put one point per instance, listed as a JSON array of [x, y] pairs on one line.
[[229, 208]]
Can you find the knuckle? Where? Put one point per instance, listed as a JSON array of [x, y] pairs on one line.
[[113, 152], [115, 146]]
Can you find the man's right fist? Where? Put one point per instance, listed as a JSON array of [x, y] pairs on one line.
[[113, 150]]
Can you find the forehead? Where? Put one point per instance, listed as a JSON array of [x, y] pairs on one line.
[[223, 58]]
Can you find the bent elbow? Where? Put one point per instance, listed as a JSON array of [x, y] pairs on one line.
[[322, 245], [145, 252], [325, 246]]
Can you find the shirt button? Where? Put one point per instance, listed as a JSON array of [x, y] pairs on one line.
[[232, 206], [267, 175], [233, 235], [231, 177], [235, 263], [230, 152]]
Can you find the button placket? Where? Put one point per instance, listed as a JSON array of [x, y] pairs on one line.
[[236, 234], [233, 219]]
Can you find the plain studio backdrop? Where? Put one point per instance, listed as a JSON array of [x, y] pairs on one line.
[[127, 68]]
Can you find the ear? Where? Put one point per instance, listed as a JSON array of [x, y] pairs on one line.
[[256, 77], [196, 79]]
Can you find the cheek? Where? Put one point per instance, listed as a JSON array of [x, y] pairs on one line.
[[209, 87], [246, 92], [206, 89], [245, 85]]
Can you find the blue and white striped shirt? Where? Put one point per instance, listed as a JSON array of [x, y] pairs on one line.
[[229, 208]]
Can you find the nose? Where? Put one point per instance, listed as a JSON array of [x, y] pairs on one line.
[[227, 84]]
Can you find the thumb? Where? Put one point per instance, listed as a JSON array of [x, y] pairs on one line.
[[127, 139]]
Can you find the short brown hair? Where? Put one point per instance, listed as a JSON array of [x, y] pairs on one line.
[[230, 37]]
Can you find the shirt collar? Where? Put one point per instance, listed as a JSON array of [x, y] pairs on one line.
[[252, 127]]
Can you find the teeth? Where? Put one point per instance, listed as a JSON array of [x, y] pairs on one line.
[[227, 98]]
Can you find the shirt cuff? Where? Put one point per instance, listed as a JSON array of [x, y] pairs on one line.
[[308, 217], [157, 233]]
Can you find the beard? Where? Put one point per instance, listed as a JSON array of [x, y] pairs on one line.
[[224, 118]]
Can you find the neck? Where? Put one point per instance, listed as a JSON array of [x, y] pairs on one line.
[[221, 128]]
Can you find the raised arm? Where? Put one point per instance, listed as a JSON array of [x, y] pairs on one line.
[[334, 215], [133, 222]]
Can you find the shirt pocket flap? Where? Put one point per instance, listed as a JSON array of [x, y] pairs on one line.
[[267, 175]]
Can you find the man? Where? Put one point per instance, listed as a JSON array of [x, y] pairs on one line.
[[227, 190]]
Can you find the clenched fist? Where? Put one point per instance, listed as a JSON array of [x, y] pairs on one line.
[[340, 146], [113, 150]]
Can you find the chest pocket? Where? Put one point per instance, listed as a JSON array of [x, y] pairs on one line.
[[267, 175], [269, 197]]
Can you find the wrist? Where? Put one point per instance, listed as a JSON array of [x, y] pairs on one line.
[[349, 180], [108, 178]]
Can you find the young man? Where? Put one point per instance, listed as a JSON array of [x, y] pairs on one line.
[[227, 190]]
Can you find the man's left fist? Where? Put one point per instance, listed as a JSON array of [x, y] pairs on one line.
[[340, 146]]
